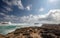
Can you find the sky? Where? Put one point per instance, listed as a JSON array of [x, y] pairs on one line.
[[30, 11]]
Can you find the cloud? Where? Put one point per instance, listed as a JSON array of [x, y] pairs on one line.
[[8, 8], [51, 1], [18, 3], [53, 16], [7, 2], [8, 5], [24, 19], [14, 2], [41, 9], [28, 7], [2, 14], [11, 18]]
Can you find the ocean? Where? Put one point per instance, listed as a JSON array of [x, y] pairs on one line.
[[9, 28], [5, 29]]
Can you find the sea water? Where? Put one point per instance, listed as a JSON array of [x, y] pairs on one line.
[[5, 29]]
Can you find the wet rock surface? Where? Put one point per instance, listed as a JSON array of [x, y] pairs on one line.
[[45, 31]]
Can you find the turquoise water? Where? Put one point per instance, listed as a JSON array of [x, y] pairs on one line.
[[6, 29]]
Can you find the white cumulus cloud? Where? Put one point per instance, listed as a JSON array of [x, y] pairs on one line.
[[53, 16], [29, 7]]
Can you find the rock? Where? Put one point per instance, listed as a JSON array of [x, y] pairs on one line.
[[2, 36], [46, 31]]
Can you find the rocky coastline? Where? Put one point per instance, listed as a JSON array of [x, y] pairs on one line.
[[45, 31]]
